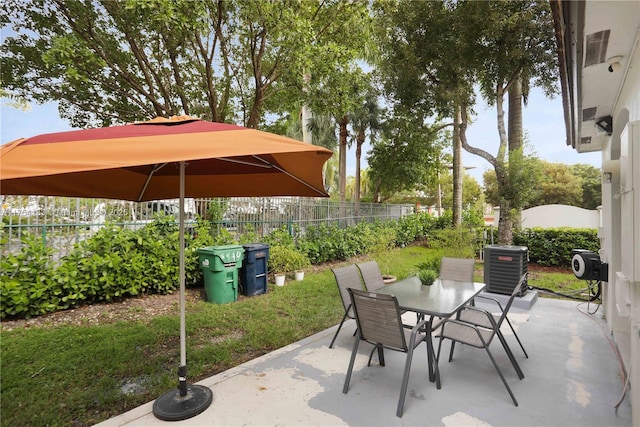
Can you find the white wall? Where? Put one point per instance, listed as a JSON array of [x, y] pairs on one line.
[[620, 232], [554, 216]]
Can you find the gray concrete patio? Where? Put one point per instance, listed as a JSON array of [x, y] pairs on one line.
[[572, 378]]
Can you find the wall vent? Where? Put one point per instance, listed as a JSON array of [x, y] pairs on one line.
[[589, 114], [596, 47]]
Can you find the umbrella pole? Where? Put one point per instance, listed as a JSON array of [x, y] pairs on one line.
[[186, 401]]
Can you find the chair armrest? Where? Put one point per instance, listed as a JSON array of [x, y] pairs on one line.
[[484, 312], [491, 299], [474, 336]]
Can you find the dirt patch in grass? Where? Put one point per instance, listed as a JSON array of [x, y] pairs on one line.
[[130, 309]]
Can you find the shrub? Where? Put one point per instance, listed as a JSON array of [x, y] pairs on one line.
[[285, 259], [457, 243], [25, 280], [552, 246]]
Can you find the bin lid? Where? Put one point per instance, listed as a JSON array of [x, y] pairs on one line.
[[219, 249], [255, 246]]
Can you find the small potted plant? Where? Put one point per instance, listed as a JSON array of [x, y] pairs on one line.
[[427, 276]]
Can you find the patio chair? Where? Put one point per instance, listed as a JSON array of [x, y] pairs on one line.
[[480, 337], [371, 275], [460, 269], [480, 319], [346, 277], [380, 324]]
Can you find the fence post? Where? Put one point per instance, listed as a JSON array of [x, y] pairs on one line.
[[44, 234]]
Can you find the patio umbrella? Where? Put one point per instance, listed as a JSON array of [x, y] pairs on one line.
[[162, 159]]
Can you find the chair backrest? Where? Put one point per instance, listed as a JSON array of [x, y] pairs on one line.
[[378, 319], [460, 269], [347, 277], [516, 291], [371, 275]]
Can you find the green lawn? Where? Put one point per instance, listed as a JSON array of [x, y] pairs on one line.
[[81, 375]]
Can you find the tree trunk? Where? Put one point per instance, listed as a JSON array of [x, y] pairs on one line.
[[356, 195], [505, 223], [342, 165], [515, 116], [457, 171], [515, 133], [505, 233], [306, 112]]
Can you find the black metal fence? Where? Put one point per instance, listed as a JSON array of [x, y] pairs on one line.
[[62, 222]]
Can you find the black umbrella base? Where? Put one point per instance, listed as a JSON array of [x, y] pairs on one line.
[[173, 407]]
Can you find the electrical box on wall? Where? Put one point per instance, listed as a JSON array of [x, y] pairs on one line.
[[503, 267]]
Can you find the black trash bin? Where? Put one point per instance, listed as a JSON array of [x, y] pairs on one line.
[[253, 273]]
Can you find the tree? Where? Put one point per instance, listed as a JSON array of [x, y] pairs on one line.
[[425, 66], [365, 117], [405, 156], [471, 195], [514, 46], [557, 185], [591, 184], [552, 183], [109, 62], [338, 95]]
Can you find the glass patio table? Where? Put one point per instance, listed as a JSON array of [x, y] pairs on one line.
[[443, 298]]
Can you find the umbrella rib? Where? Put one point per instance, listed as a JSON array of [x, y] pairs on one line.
[[288, 174], [155, 169], [242, 162]]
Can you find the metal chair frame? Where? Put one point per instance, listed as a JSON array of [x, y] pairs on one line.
[[379, 323], [480, 337], [346, 277]]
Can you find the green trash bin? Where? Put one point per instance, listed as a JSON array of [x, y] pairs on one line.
[[220, 266]]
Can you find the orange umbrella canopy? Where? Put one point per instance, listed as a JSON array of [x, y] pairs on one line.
[[139, 162]]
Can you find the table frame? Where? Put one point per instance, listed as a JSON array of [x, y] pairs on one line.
[[444, 298]]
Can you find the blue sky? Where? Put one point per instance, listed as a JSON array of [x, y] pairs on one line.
[[543, 120]]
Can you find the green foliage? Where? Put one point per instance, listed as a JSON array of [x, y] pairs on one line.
[[25, 280], [427, 276], [216, 209], [286, 259], [88, 56], [411, 228], [114, 263], [431, 260], [590, 182], [472, 218], [404, 157], [456, 243], [280, 237], [552, 246]]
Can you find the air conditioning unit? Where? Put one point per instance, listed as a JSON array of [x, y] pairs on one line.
[[503, 267]]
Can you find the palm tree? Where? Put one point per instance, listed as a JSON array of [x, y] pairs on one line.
[[366, 116]]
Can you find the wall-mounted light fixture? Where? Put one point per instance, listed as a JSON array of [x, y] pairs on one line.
[[614, 64], [605, 124]]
